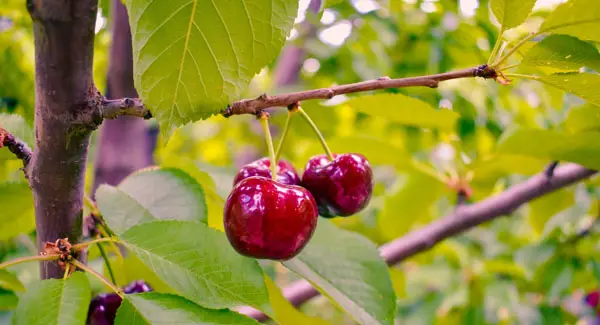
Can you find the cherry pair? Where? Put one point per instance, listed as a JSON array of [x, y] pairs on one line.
[[275, 219], [103, 307]]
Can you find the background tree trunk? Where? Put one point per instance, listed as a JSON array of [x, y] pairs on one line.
[[66, 106], [125, 144]]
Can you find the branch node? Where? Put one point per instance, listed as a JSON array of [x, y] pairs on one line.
[[485, 71], [549, 172], [263, 97], [330, 93], [113, 108], [384, 78], [293, 107], [19, 148]]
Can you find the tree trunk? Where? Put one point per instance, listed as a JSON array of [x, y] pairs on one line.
[[66, 112], [123, 141]]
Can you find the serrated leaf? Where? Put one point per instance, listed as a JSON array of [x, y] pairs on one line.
[[406, 110], [347, 268], [582, 148], [198, 262], [511, 13], [410, 203], [285, 312], [55, 301], [10, 281], [131, 268], [17, 126], [192, 58], [583, 118], [158, 308], [563, 52], [544, 208], [579, 18], [584, 85], [17, 212], [151, 194]]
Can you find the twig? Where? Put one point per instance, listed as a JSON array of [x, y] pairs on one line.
[[80, 246], [29, 259], [112, 108], [252, 106], [455, 223], [106, 262], [17, 147]]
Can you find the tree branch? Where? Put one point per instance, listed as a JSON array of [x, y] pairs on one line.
[[16, 146], [112, 108], [463, 219], [252, 106]]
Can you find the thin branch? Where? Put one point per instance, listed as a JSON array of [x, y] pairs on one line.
[[29, 259], [112, 108], [19, 148], [252, 106], [455, 223], [80, 246]]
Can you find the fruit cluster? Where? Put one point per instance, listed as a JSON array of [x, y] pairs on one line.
[[103, 307], [273, 217]]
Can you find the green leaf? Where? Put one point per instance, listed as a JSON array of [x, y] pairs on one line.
[[544, 208], [285, 312], [158, 308], [582, 148], [579, 18], [17, 212], [8, 300], [413, 201], [198, 262], [192, 58], [347, 268], [10, 281], [583, 118], [403, 109], [563, 52], [511, 13], [60, 302], [17, 126], [584, 85], [151, 194], [131, 268]]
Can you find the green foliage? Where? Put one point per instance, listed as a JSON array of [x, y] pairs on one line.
[[352, 275], [583, 118], [511, 13], [198, 262], [579, 18], [192, 58], [159, 193], [583, 85], [563, 52], [16, 215], [156, 308], [55, 302]]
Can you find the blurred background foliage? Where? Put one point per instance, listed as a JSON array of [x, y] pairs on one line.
[[532, 267]]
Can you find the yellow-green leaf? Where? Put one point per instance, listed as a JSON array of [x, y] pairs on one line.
[[579, 18], [544, 208], [583, 118], [563, 52], [285, 312], [584, 85], [511, 13]]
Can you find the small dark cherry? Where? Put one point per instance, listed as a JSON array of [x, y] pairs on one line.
[[265, 219], [103, 307], [342, 186], [286, 173]]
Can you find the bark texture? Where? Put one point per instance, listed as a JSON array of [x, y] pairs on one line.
[[66, 112], [123, 144]]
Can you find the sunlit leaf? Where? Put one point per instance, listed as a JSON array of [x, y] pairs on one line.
[[158, 308], [347, 268], [55, 302], [563, 52], [403, 109], [544, 208], [584, 85], [10, 281], [8, 300], [511, 13], [192, 58], [579, 18], [582, 148], [583, 118], [17, 212], [198, 262]]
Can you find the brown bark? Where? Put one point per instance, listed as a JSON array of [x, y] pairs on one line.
[[66, 106], [123, 141]]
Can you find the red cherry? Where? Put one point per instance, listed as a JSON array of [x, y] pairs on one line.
[[286, 173], [341, 187], [268, 220]]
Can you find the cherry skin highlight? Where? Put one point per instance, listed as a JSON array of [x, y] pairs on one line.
[[286, 173], [341, 187], [265, 219]]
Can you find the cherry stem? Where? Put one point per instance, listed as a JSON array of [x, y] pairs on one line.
[[264, 121], [83, 245], [316, 129], [286, 128], [103, 231], [496, 46], [91, 271], [91, 204], [67, 267], [106, 262], [29, 259], [501, 60]]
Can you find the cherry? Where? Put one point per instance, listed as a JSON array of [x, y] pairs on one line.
[[103, 307], [286, 173], [265, 219], [341, 187]]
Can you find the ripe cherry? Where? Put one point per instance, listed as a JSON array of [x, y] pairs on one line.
[[342, 186], [103, 307], [286, 173], [268, 220]]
